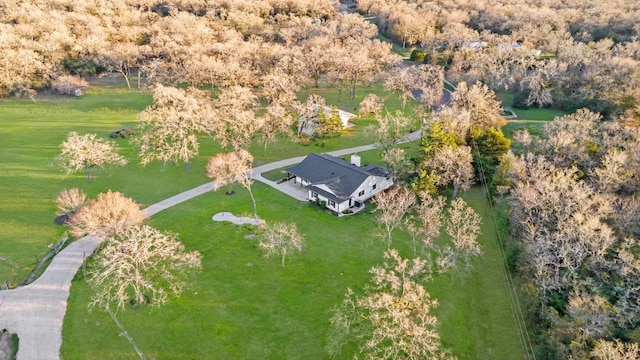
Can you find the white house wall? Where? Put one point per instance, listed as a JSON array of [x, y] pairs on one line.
[[381, 185]]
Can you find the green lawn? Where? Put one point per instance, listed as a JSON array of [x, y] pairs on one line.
[[531, 119], [232, 310], [244, 306], [30, 178]]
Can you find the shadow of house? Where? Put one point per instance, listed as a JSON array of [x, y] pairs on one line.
[[341, 186]]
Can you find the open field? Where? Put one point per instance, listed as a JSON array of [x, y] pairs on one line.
[[244, 306], [30, 178], [240, 305]]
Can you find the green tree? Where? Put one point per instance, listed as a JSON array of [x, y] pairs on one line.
[[327, 125]]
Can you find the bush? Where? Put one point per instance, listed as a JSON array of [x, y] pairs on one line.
[[417, 55], [82, 67], [68, 84], [520, 100]]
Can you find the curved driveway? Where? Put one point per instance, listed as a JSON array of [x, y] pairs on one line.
[[35, 312]]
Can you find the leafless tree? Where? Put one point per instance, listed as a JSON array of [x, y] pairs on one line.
[[69, 201], [452, 165], [139, 265], [425, 222], [392, 206], [232, 167], [235, 111], [463, 226], [481, 103], [370, 104], [169, 127], [391, 129], [615, 350], [280, 238], [84, 152], [393, 319]]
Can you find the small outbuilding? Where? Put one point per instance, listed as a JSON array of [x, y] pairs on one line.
[[308, 126]]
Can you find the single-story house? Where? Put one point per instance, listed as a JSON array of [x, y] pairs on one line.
[[339, 184], [308, 126]]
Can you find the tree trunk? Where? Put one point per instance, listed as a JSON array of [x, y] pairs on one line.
[[89, 179], [255, 210], [284, 254], [187, 165], [456, 188]]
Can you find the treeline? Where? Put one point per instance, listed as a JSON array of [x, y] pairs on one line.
[[574, 211], [217, 43], [564, 54]]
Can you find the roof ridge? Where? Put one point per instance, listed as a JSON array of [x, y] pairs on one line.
[[341, 162]]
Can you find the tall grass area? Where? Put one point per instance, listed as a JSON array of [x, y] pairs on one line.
[[244, 306]]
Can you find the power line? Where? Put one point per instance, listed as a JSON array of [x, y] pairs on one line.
[[516, 309]]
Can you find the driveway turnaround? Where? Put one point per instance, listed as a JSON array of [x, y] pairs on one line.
[[35, 312]]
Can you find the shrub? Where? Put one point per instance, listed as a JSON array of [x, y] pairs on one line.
[[417, 55], [520, 100], [66, 84]]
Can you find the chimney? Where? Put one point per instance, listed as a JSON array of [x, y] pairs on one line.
[[355, 159]]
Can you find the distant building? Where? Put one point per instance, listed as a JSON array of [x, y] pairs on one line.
[[309, 127]]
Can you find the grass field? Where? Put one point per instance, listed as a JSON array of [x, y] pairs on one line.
[[30, 178], [241, 305], [244, 306]]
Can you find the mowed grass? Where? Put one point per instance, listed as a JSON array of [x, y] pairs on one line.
[[242, 305], [30, 176], [231, 310], [532, 119]]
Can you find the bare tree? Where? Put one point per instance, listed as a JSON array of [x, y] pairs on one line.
[[227, 168], [169, 127], [109, 214], [280, 238], [392, 206], [277, 121], [393, 319], [235, 110], [424, 224], [309, 110], [615, 350], [452, 165], [139, 265], [397, 162], [371, 104], [391, 129], [84, 152], [482, 104], [69, 201], [463, 226]]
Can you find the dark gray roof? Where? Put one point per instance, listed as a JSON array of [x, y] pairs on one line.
[[339, 176]]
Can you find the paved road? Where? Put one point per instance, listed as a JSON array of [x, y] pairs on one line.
[[35, 312]]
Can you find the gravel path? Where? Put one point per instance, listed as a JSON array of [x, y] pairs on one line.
[[35, 312]]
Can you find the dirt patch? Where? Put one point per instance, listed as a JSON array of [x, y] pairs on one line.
[[6, 346]]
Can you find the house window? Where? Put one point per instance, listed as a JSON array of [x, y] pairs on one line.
[[332, 203], [314, 195], [361, 193], [374, 186]]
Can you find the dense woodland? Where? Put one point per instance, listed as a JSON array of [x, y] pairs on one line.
[[571, 193]]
